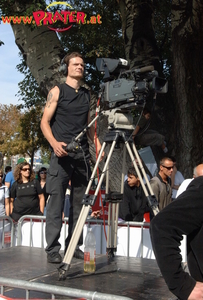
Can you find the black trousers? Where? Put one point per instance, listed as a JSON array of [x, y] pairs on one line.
[[60, 172]]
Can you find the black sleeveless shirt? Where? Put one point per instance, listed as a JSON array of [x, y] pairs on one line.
[[71, 115]]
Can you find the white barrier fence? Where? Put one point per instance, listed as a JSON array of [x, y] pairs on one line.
[[133, 238], [6, 232]]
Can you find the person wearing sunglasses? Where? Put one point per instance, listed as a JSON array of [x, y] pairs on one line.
[[27, 192], [161, 183], [42, 175]]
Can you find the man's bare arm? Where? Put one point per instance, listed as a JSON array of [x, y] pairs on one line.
[[41, 202], [7, 184], [49, 110], [7, 210]]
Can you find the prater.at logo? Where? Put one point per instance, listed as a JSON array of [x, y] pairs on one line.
[[59, 21]]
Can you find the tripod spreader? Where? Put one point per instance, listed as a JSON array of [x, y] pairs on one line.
[[113, 197], [89, 200]]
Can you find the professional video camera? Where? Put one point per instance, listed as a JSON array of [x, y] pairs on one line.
[[131, 86]]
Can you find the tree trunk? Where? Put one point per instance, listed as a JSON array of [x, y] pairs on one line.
[[40, 46], [140, 43], [187, 42], [141, 49], [42, 52]]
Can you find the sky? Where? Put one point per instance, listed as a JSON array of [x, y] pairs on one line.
[[9, 58]]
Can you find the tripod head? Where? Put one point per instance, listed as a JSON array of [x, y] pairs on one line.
[[119, 118]]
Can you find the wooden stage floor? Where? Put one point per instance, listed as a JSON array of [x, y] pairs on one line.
[[135, 278]]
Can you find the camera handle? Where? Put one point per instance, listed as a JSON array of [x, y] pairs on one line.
[[113, 137]]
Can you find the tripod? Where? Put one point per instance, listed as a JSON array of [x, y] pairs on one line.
[[113, 137]]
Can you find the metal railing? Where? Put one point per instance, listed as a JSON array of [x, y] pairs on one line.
[[32, 219], [91, 221], [56, 290], [7, 234]]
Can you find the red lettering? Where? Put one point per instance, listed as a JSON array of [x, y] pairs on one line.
[[99, 19], [73, 17], [27, 20], [81, 17], [6, 19], [93, 20], [16, 20], [38, 16], [48, 18], [57, 17], [65, 14]]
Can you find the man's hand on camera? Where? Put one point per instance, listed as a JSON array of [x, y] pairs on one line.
[[59, 149]]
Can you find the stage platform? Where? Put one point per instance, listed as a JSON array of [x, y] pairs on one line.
[[135, 278]]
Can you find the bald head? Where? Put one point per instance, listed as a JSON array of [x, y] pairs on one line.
[[198, 171]]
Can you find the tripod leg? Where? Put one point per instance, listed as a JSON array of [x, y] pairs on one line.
[[152, 201], [142, 169], [83, 216], [112, 228], [73, 243], [79, 226]]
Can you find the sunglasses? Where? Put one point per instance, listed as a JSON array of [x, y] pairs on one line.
[[1, 176], [168, 168], [25, 169], [42, 172]]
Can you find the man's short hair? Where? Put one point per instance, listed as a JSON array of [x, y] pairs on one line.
[[131, 171], [71, 55], [162, 161], [8, 169]]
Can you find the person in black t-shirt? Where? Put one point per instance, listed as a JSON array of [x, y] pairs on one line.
[[134, 203], [66, 114], [42, 174], [27, 193]]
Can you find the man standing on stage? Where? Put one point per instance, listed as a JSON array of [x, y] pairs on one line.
[[66, 114]]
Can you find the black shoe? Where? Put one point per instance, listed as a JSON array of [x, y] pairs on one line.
[[54, 258], [78, 254]]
